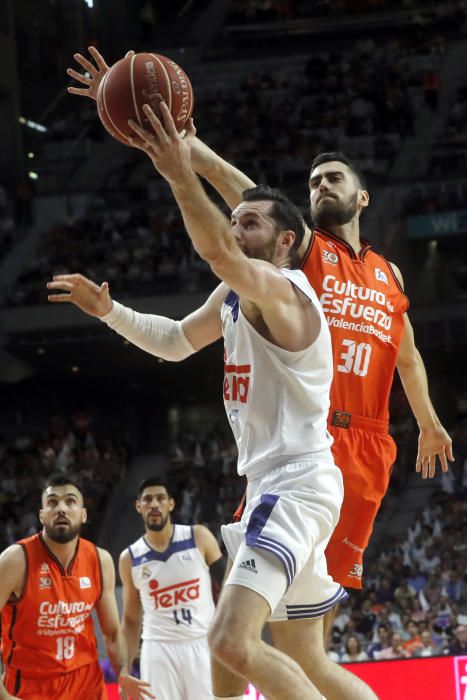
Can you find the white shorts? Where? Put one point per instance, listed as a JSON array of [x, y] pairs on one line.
[[177, 671], [278, 546]]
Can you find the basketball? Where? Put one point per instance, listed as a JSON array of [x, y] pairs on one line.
[[143, 78]]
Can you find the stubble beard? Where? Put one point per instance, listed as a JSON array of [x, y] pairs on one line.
[[333, 213], [60, 535]]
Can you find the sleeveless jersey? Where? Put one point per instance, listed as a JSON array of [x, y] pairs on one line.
[[364, 305], [174, 587], [277, 401], [49, 629]]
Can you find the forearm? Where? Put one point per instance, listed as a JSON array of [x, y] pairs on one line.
[[207, 227], [117, 652], [415, 382], [228, 180], [131, 632], [156, 335]]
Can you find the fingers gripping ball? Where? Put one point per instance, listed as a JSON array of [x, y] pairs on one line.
[[139, 79]]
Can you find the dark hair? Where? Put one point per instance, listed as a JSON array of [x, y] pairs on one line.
[[341, 158], [152, 481], [353, 636], [60, 479], [286, 215]]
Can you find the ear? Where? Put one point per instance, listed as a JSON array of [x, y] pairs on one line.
[[84, 515], [363, 199], [287, 239], [138, 506], [41, 516], [171, 504]]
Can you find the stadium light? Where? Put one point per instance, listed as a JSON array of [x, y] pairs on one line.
[[32, 125], [33, 175]]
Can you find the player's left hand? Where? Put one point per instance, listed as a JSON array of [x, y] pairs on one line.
[[169, 151], [132, 687], [433, 443]]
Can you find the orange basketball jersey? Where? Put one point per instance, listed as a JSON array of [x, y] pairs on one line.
[[364, 305], [49, 629]]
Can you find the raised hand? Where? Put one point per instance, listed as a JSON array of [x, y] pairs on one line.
[[96, 73], [169, 151], [81, 292]]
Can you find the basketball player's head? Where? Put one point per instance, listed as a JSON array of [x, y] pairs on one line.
[[267, 226], [337, 191], [62, 514], [154, 503]]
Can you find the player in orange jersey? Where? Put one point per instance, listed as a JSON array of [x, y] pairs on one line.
[[49, 585]]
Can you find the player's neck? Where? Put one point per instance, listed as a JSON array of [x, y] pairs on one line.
[[64, 552], [349, 233], [161, 539]]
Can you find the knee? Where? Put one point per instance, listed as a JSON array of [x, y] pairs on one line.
[[236, 651]]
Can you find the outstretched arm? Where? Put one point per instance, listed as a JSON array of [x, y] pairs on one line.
[[433, 441], [157, 335], [228, 180]]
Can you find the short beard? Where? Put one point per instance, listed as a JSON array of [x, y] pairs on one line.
[[157, 527], [61, 536], [332, 213]]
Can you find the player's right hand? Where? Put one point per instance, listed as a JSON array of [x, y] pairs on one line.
[[96, 73], [81, 292]]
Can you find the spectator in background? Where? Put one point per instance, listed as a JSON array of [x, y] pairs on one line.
[[404, 594], [353, 650], [382, 642], [427, 647], [458, 647], [414, 640], [394, 651]]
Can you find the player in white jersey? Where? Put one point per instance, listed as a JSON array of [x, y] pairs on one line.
[[294, 488], [167, 591]]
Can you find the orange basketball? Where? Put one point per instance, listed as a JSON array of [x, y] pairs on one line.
[[144, 78]]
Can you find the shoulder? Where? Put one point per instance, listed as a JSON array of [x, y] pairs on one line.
[[206, 542], [13, 556], [106, 562], [397, 273]]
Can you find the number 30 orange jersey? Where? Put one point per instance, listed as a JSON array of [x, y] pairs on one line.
[[49, 629], [364, 305]]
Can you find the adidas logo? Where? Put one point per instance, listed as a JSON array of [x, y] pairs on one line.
[[249, 564]]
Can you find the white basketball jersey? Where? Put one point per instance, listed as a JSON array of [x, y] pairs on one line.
[[277, 401], [175, 588]]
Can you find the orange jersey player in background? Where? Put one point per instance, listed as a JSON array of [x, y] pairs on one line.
[[49, 585]]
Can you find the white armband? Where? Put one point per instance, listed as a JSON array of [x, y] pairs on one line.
[[157, 335]]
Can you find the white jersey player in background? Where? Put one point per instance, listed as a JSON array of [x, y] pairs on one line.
[[278, 360], [167, 590]]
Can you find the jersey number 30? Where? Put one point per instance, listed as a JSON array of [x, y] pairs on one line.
[[356, 358]]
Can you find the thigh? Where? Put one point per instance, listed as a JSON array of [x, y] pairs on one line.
[[159, 667], [299, 638], [365, 458], [241, 613]]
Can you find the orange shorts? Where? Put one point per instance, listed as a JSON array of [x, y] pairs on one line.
[[365, 457], [86, 683]]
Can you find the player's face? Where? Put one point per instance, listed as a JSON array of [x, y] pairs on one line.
[[155, 506], [255, 231], [62, 514], [334, 195]]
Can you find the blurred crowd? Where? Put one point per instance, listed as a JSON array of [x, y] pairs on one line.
[[69, 446], [244, 11], [361, 101]]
